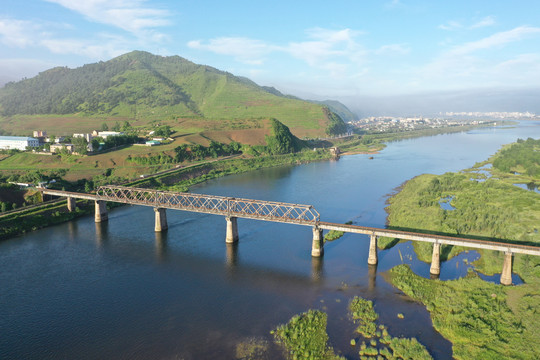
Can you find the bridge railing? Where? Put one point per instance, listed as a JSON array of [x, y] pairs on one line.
[[228, 206]]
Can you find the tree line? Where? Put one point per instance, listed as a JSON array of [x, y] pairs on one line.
[[524, 154], [189, 153]]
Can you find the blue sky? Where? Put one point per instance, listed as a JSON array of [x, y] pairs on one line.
[[307, 48]]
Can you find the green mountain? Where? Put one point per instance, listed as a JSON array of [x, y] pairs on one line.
[[143, 87], [335, 106], [338, 108]]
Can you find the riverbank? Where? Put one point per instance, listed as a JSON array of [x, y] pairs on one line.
[[482, 319], [180, 180], [373, 143]]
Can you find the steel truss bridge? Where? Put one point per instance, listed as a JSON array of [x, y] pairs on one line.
[[209, 204], [271, 211], [233, 208]]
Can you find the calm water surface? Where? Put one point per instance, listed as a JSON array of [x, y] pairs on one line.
[[120, 291]]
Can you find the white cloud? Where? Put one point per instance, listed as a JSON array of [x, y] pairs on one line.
[[453, 25], [393, 49], [25, 34], [496, 40], [393, 4], [17, 33], [327, 45], [91, 49], [524, 68], [330, 50], [468, 65], [487, 21], [129, 15], [245, 50]]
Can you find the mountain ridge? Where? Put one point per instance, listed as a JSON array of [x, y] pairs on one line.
[[139, 85]]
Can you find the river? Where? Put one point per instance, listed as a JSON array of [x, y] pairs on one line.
[[118, 290]]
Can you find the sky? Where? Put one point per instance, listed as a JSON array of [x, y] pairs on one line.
[[315, 49]]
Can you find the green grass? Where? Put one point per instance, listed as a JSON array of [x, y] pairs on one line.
[[493, 209], [37, 218], [305, 337], [483, 320]]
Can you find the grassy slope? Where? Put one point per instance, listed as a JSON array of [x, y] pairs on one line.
[[483, 320], [156, 89]]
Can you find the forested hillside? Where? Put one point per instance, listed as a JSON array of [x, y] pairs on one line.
[[142, 86]]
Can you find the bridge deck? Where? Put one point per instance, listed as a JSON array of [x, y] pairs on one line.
[[441, 239], [272, 211]]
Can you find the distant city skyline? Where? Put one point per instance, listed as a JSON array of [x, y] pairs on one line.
[[345, 50]]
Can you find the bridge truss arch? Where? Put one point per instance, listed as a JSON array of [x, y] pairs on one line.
[[212, 204]]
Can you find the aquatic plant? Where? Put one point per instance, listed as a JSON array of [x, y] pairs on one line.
[[305, 337], [362, 313]]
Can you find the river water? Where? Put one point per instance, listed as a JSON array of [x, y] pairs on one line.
[[118, 290]]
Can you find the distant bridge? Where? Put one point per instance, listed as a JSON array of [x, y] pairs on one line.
[[233, 208]]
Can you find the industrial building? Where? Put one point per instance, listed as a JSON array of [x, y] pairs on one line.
[[17, 142]]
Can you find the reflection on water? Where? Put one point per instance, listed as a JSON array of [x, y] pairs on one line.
[[372, 277], [317, 274], [72, 230], [101, 233], [496, 278], [529, 186], [161, 245], [444, 203], [232, 254]]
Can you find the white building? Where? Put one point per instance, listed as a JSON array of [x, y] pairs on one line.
[[17, 142], [106, 134], [88, 137]]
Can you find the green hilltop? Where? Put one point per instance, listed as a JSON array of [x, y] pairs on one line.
[[142, 87]]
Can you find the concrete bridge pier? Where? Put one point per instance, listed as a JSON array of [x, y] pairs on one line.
[[161, 220], [372, 258], [71, 204], [506, 275], [435, 268], [101, 211], [232, 230], [317, 246]]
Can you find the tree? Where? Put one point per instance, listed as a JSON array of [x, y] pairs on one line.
[[164, 130], [88, 186], [104, 127], [126, 126], [95, 143], [80, 145]]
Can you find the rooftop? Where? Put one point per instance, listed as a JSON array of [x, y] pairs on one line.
[[16, 138]]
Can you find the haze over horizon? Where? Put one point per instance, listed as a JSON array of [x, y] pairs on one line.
[[383, 57]]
